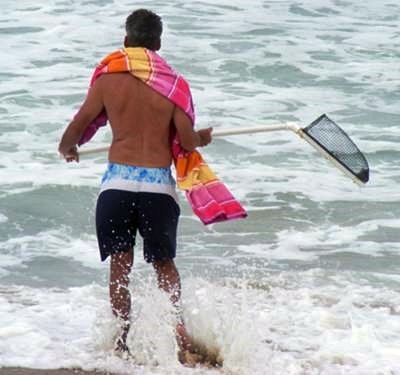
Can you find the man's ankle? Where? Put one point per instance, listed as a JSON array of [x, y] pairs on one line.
[[121, 347], [183, 338]]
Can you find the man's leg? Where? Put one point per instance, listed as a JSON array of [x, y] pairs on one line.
[[169, 281], [120, 298]]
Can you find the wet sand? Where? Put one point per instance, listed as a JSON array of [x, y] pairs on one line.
[[28, 371]]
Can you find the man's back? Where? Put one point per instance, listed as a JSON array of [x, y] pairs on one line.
[[140, 120]]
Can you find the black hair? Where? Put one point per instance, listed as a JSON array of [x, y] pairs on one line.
[[143, 29]]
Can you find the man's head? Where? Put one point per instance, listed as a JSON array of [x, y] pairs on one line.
[[143, 29]]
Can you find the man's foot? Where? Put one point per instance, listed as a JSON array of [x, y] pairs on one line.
[[189, 359], [121, 349], [188, 354]]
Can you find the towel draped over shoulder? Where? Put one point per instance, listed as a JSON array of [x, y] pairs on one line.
[[209, 198]]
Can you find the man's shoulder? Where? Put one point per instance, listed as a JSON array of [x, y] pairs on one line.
[[112, 79], [115, 76]]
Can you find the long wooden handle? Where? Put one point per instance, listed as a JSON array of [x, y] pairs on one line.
[[218, 133]]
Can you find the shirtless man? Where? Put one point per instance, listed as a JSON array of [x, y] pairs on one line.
[[140, 120]]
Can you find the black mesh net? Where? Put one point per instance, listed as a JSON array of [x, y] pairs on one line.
[[338, 144]]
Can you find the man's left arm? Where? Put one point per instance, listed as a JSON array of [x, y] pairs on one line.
[[92, 106]]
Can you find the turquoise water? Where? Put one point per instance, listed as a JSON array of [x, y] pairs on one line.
[[308, 284]]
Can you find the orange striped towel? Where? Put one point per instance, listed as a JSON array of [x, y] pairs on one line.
[[209, 198]]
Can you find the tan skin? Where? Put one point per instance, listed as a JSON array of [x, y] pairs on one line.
[[130, 103], [140, 120]]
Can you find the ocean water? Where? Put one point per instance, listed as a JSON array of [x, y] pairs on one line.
[[308, 284]]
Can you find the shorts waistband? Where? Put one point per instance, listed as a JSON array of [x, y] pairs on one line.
[[139, 179]]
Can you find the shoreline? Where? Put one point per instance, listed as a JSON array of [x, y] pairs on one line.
[[62, 371]]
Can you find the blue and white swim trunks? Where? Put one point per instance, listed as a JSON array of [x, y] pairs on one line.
[[135, 199], [139, 179]]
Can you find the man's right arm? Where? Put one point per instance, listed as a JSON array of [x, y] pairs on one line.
[[188, 137], [92, 106]]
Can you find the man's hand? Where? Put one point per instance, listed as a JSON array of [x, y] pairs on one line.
[[205, 136], [71, 155], [188, 137]]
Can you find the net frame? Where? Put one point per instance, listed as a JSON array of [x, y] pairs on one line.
[[348, 152]]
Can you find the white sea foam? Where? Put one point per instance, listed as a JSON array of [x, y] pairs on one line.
[[325, 240], [309, 323], [54, 243]]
